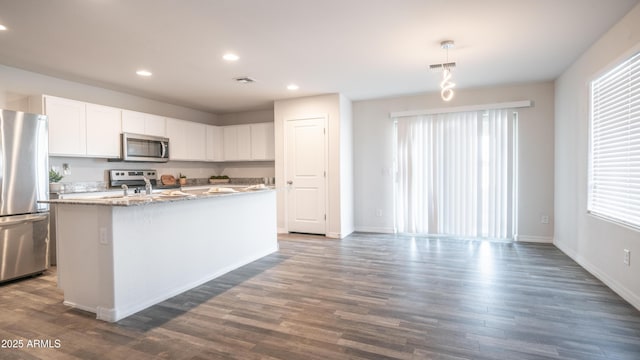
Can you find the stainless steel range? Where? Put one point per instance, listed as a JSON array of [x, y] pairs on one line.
[[134, 179]]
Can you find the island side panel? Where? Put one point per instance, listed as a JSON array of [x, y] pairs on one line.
[[161, 250], [84, 255]]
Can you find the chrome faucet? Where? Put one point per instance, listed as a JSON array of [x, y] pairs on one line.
[[125, 188], [147, 186]]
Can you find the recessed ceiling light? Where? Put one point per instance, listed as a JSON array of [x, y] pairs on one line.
[[144, 72], [292, 87], [2, 27], [230, 57]]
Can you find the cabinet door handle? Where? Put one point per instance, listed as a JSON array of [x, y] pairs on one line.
[[290, 182]]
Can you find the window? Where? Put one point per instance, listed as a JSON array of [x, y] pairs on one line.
[[614, 162]]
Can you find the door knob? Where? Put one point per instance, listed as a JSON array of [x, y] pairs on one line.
[[290, 182]]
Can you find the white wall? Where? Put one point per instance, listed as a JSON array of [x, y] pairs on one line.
[[311, 107], [595, 244], [245, 117], [373, 154], [347, 211]]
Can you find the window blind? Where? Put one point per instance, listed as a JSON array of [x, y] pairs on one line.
[[455, 174], [614, 188]]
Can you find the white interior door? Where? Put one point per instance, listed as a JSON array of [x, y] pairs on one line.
[[306, 149]]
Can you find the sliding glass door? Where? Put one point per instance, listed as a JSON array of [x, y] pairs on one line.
[[455, 174]]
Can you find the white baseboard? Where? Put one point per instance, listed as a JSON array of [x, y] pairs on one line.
[[79, 306], [331, 235], [625, 293], [106, 314], [535, 239], [375, 229]]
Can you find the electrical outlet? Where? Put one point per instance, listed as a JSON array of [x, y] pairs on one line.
[[627, 257], [379, 212], [544, 219], [103, 236]]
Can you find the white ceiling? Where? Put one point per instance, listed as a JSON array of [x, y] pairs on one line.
[[360, 48]]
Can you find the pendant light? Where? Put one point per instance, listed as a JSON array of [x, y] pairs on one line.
[[446, 85]]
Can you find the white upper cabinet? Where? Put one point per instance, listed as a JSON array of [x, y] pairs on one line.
[[177, 140], [133, 122], [67, 126], [244, 142], [81, 129], [89, 130], [249, 142], [141, 123], [197, 138], [187, 140], [262, 141], [215, 143], [103, 131], [237, 142], [155, 125], [230, 143]]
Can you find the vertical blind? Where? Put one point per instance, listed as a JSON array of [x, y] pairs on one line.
[[614, 176], [455, 174]]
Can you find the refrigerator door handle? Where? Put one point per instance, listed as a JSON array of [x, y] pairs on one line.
[[21, 219]]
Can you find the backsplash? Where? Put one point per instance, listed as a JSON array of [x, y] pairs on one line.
[[89, 172], [232, 181], [83, 186]]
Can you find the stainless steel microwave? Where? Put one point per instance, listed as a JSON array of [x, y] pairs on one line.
[[138, 147]]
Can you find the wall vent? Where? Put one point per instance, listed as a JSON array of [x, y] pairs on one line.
[[244, 80]]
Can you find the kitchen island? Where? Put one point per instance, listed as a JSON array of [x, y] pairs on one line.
[[120, 255]]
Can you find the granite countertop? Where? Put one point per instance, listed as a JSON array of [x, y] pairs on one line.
[[155, 198], [85, 187]]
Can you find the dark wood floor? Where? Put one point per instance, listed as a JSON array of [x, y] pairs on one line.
[[363, 297]]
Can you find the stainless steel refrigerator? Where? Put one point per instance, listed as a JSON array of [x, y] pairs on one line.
[[24, 179]]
